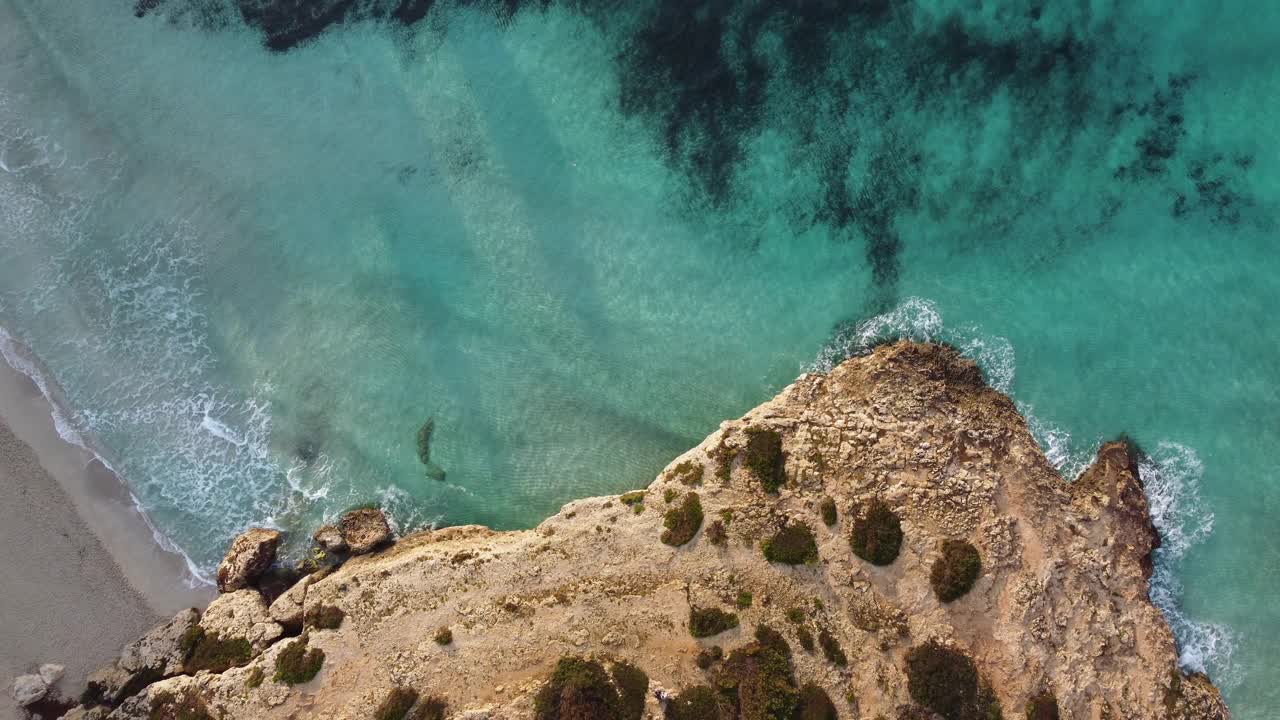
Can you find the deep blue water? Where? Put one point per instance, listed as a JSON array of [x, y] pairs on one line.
[[256, 249]]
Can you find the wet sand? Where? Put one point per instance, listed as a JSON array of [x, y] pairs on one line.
[[81, 574]]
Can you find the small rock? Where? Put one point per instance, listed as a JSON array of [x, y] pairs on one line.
[[29, 689], [161, 649], [251, 553], [329, 539], [51, 673], [364, 530]]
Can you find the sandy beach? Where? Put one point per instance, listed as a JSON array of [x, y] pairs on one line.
[[82, 573]]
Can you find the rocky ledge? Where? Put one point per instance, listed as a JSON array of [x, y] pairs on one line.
[[884, 541]]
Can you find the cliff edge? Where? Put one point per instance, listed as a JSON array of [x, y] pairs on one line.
[[883, 541]]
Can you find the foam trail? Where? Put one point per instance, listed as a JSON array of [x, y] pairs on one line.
[[1171, 477]]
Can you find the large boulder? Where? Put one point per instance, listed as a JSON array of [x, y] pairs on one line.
[[329, 539], [365, 530], [162, 649], [29, 689], [251, 553], [241, 614], [111, 684]]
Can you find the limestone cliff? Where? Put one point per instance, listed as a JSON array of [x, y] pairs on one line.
[[899, 455]]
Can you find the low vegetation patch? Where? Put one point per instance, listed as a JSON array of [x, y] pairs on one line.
[[1042, 707], [763, 458], [831, 649], [397, 704], [187, 706], [207, 651], [668, 495], [696, 703], [682, 522], [443, 636], [794, 544], [954, 573], [796, 615], [744, 600], [634, 497], [716, 534], [633, 688], [707, 658], [581, 689], [705, 622], [297, 663], [431, 708], [255, 678], [756, 680], [828, 510], [946, 681], [815, 704], [805, 638], [877, 534], [325, 617], [688, 472]]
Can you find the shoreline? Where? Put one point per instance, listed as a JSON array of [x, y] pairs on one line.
[[84, 574]]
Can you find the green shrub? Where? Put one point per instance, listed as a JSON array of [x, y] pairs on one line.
[[634, 497], [296, 664], [805, 637], [763, 458], [578, 689], [946, 681], [815, 704], [443, 636], [696, 703], [397, 704], [831, 648], [744, 600], [188, 706], [796, 615], [255, 678], [705, 622], [794, 544], [682, 522], [633, 689], [1042, 707], [668, 495], [757, 678], [431, 708], [954, 573], [716, 534], [325, 617], [688, 472], [210, 652], [877, 534], [828, 509], [707, 658]]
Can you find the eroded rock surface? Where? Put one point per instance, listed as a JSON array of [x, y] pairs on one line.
[[162, 649], [251, 553], [364, 530], [1059, 612]]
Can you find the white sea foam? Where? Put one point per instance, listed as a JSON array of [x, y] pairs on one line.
[[1171, 477]]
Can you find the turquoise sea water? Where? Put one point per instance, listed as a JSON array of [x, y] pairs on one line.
[[255, 248]]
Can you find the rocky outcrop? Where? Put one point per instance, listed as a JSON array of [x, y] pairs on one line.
[[29, 689], [822, 517], [161, 650], [329, 539], [251, 553], [364, 530]]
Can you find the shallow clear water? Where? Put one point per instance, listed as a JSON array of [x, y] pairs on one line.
[[579, 238]]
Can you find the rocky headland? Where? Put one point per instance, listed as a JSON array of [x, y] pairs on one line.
[[883, 541]]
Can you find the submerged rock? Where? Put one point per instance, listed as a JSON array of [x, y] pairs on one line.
[[251, 553], [364, 530], [29, 689]]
